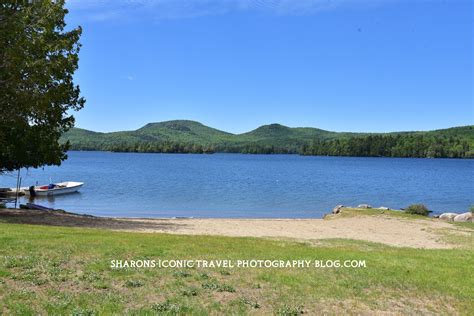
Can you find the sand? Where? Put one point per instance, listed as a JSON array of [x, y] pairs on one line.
[[393, 231]]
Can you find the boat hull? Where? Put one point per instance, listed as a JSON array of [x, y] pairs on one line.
[[60, 189]]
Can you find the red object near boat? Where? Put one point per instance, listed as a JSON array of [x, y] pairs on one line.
[[44, 187]]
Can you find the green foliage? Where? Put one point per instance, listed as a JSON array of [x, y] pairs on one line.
[[417, 209], [250, 303], [37, 62], [83, 312], [193, 137], [213, 285], [287, 310], [226, 288], [167, 307], [190, 292], [134, 283], [428, 145]]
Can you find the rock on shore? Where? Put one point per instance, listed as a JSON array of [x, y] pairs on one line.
[[337, 209], [448, 216], [464, 217]]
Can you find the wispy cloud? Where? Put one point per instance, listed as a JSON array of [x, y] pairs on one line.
[[128, 77], [100, 10]]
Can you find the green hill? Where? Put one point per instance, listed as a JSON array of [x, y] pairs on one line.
[[466, 132], [183, 131], [184, 136]]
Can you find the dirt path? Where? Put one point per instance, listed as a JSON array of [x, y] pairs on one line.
[[382, 229]]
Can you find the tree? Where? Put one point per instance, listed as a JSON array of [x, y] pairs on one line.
[[38, 58]]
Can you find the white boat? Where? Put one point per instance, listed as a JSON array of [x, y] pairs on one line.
[[54, 189]]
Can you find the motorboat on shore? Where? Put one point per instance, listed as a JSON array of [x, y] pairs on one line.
[[54, 189]]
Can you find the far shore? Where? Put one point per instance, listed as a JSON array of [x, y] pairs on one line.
[[378, 227]]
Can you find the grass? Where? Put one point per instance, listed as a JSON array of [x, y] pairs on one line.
[[56, 270], [352, 212]]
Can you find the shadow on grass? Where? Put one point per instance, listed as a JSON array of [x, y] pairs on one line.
[[65, 219]]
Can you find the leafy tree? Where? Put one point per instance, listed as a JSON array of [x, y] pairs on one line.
[[38, 58]]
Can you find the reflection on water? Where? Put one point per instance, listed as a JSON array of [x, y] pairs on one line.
[[49, 198]]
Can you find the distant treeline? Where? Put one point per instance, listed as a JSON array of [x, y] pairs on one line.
[[417, 146], [398, 145], [186, 148]]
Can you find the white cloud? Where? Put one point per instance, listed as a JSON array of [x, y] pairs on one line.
[[128, 77]]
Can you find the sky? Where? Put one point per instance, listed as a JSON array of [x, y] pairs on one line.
[[339, 65]]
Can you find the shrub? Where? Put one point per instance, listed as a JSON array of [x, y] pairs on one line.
[[287, 310], [190, 292], [211, 286], [251, 303], [167, 307], [133, 283], [83, 312], [418, 209], [226, 288]]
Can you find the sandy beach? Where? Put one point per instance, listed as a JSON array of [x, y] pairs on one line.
[[393, 231]]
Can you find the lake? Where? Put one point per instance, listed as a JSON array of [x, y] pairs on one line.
[[237, 185]]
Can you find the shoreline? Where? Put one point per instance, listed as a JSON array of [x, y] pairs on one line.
[[262, 154], [379, 227]]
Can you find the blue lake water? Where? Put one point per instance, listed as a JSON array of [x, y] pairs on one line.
[[235, 185]]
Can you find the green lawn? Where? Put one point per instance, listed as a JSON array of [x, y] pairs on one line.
[[55, 270]]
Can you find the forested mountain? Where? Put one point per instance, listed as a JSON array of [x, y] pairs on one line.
[[183, 136]]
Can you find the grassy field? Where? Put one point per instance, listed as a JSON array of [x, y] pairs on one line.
[[56, 270]]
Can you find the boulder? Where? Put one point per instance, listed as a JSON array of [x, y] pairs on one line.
[[364, 206], [384, 208], [448, 216], [337, 209], [464, 217]]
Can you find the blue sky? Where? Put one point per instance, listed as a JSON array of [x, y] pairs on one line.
[[339, 65]]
